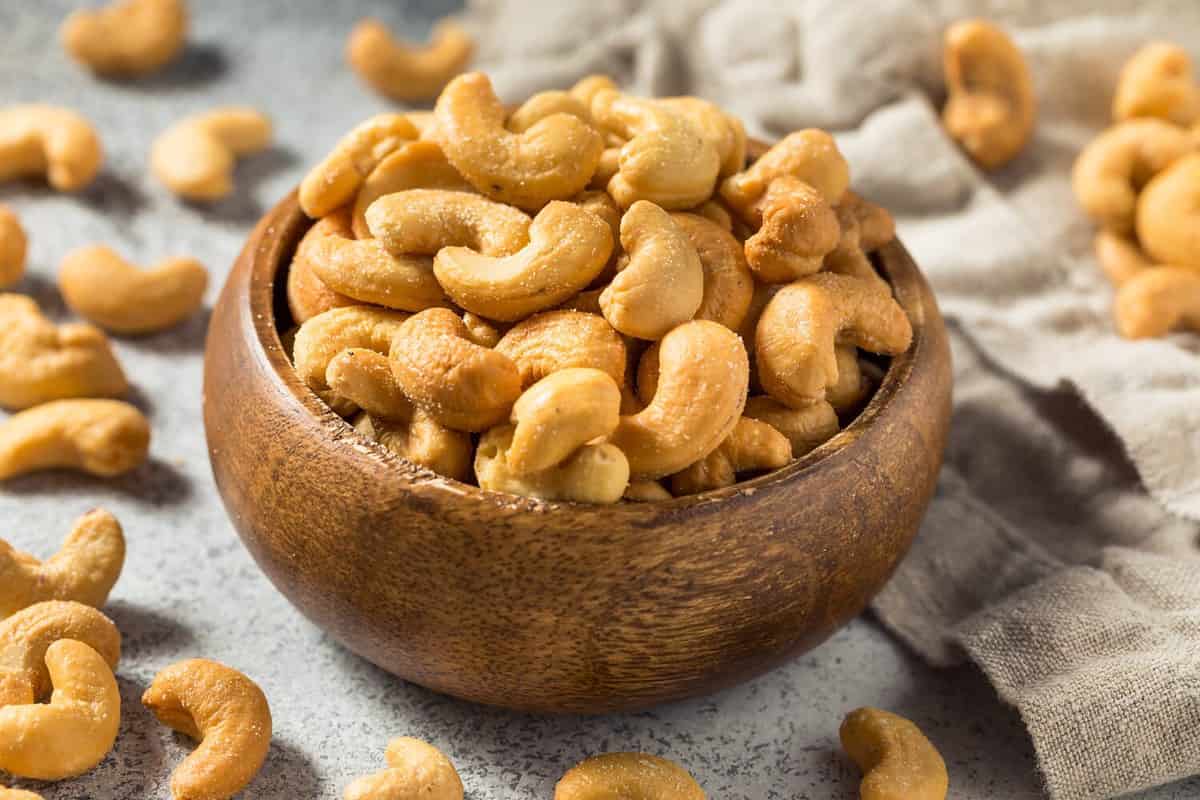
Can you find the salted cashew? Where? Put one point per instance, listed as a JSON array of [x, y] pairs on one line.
[[1112, 169], [852, 386], [594, 473], [27, 634], [552, 160], [413, 165], [307, 295], [1155, 302], [1120, 257], [991, 106], [796, 335], [1157, 81], [713, 211], [546, 104], [663, 285], [423, 221], [462, 385], [128, 37], [194, 158], [810, 155], [897, 761], [1168, 214], [797, 229], [106, 289], [728, 284], [726, 133], [559, 414], [364, 377], [422, 440], [667, 159], [606, 168], [644, 491], [876, 227], [416, 771], [632, 775], [403, 72], [222, 709], [849, 257], [752, 446], [586, 88], [102, 437], [18, 794], [704, 372], [333, 182], [51, 141], [424, 122], [324, 336], [13, 245], [482, 332], [560, 339], [806, 428], [568, 247]]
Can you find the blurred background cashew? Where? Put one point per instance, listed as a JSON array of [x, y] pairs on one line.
[[27, 634], [594, 473], [102, 437], [896, 759], [1157, 301], [126, 38], [333, 182], [1157, 81], [416, 771], [1168, 214], [56, 142], [1119, 256], [633, 775], [195, 157], [13, 245], [404, 72], [555, 340]]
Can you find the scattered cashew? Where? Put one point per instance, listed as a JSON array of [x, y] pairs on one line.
[[546, 104], [644, 491], [27, 634], [325, 335], [1157, 301], [559, 414], [405, 73], [422, 440], [13, 245], [416, 771], [194, 158], [806, 428], [462, 385], [728, 284], [423, 221], [102, 287], [810, 155], [632, 775], [991, 106], [555, 340], [1158, 82], [101, 437], [595, 473], [798, 229], [18, 794], [751, 446], [1120, 258], [552, 160], [307, 295], [51, 141], [413, 165], [222, 709], [896, 759], [364, 377], [1168, 214], [333, 182], [725, 133], [127, 38]]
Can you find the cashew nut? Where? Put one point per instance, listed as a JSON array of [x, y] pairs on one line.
[[51, 141], [1157, 81], [586, 89], [806, 428], [713, 211], [222, 709], [27, 634], [546, 104], [552, 160], [896, 759], [595, 473], [416, 771], [1119, 257], [101, 286], [559, 414], [13, 245], [484, 333], [852, 386], [798, 229], [849, 257], [728, 284], [364, 377], [462, 385], [876, 227], [325, 335], [307, 295], [725, 133], [75, 730], [194, 158], [102, 437], [752, 446], [1157, 301], [127, 38], [423, 221], [422, 440], [644, 491], [332, 183], [797, 332], [18, 794], [991, 106], [810, 155], [405, 73], [1168, 214], [556, 340], [413, 165], [632, 775]]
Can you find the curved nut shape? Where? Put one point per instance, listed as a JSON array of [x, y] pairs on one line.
[[586, 88], [1120, 257], [51, 141], [725, 133], [805, 428], [852, 386], [796, 335], [482, 332], [547, 104], [704, 373], [102, 287], [26, 635], [403, 72], [876, 227], [325, 335], [13, 246], [753, 446], [849, 256], [1168, 214], [307, 295], [364, 377], [1157, 81], [423, 221], [991, 106], [810, 155], [895, 757], [555, 340], [462, 385], [127, 38], [416, 771], [84, 570], [422, 440], [667, 159], [715, 212], [595, 473], [332, 183], [552, 160], [413, 165], [559, 414], [728, 284], [1113, 168], [18, 794], [1158, 301], [633, 775], [102, 437], [663, 285], [798, 229], [222, 709], [642, 491], [568, 247], [194, 158]]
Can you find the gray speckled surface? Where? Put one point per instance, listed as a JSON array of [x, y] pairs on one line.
[[189, 587]]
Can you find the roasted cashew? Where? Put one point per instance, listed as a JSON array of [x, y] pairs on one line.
[[1155, 302], [462, 385], [482, 332], [106, 289], [552, 160], [714, 212], [102, 437], [405, 73], [805, 428], [667, 159], [424, 122], [876, 227], [51, 141], [797, 332], [595, 473], [194, 158], [1113, 168], [325, 335], [1157, 81], [849, 257], [896, 759], [752, 446], [423, 221], [547, 104], [555, 340], [27, 634], [797, 229], [127, 38], [568, 247], [586, 89], [422, 440], [728, 284], [810, 155], [222, 709], [663, 285], [413, 165], [416, 771], [364, 377], [13, 245], [1120, 258], [631, 775], [727, 134], [18, 794], [559, 414], [1168, 214], [332, 183], [644, 491], [852, 386], [307, 295]]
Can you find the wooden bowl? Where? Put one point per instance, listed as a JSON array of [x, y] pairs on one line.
[[555, 606]]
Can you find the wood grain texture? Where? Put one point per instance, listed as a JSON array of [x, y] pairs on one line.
[[559, 607]]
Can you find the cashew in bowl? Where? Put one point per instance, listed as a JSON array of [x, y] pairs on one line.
[[101, 437], [644, 491], [26, 635], [328, 334], [413, 165], [810, 155], [797, 229], [639, 775], [51, 141], [876, 227], [1157, 81], [127, 38], [547, 104], [222, 709], [333, 182], [849, 257], [552, 160], [307, 295], [421, 439], [423, 221], [806, 428], [416, 770], [991, 106], [752, 446], [106, 289], [555, 340], [194, 158], [852, 385], [402, 72], [726, 133], [13, 245], [728, 284], [364, 377], [1157, 301], [595, 473], [559, 414], [896, 759], [1168, 214], [1120, 257]]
